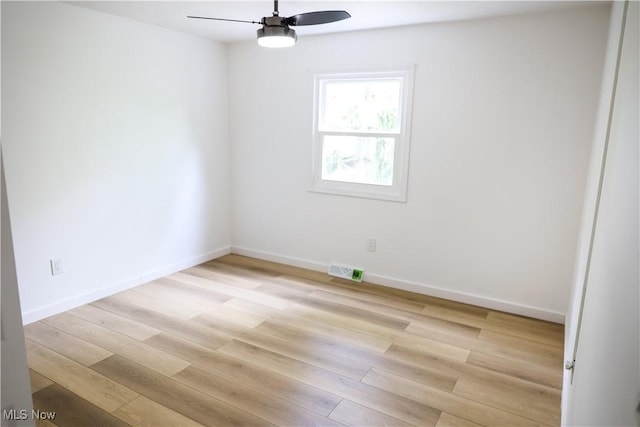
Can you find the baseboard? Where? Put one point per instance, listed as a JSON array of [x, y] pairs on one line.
[[420, 288], [467, 298], [181, 265], [292, 261], [76, 301]]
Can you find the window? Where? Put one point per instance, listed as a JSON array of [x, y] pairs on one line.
[[361, 134]]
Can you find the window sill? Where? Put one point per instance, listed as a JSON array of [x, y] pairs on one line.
[[363, 191]]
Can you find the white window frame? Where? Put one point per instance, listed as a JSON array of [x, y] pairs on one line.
[[398, 190]]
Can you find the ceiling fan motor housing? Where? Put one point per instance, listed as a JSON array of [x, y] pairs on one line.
[[274, 21]]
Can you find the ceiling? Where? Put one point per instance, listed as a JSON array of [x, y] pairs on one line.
[[365, 14]]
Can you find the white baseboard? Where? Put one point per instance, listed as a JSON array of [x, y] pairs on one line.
[[181, 265], [292, 261], [420, 288], [76, 301], [467, 298]]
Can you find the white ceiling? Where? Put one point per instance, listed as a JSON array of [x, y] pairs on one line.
[[365, 14]]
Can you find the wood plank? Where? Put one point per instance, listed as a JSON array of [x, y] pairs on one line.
[[155, 304], [534, 404], [475, 374], [352, 414], [356, 301], [390, 404], [196, 292], [364, 327], [358, 325], [519, 369], [38, 381], [72, 410], [542, 356], [323, 343], [128, 327], [383, 291], [306, 352], [252, 271], [327, 330], [538, 353], [266, 406], [174, 395], [144, 412], [352, 313], [226, 313], [253, 307], [358, 354], [116, 342], [341, 321], [303, 286], [322, 328], [479, 318], [446, 327], [351, 290], [425, 321], [205, 336], [266, 267], [217, 272], [231, 291], [194, 299], [448, 420], [466, 315], [280, 291], [315, 323], [461, 341], [98, 389], [66, 344], [533, 329], [191, 293], [253, 376], [433, 347], [443, 401]]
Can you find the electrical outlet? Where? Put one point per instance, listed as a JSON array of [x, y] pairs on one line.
[[371, 244], [56, 266]]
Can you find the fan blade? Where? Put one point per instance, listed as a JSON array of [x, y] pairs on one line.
[[314, 18], [222, 19]]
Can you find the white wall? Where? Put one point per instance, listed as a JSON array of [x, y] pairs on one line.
[[116, 151], [606, 383], [117, 154], [502, 124]]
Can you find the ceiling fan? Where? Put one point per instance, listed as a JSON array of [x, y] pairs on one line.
[[275, 31]]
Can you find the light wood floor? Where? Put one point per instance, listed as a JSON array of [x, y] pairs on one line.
[[238, 341]]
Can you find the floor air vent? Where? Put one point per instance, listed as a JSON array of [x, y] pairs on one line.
[[346, 272]]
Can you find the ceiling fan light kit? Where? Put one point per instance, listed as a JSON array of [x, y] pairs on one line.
[[275, 31], [274, 34]]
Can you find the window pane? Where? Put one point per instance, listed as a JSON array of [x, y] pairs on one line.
[[362, 105], [365, 160]]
